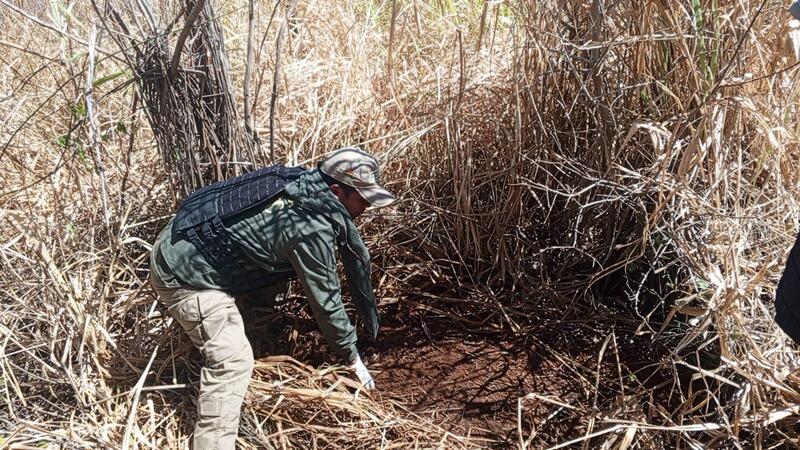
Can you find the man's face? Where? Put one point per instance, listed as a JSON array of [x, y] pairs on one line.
[[351, 199]]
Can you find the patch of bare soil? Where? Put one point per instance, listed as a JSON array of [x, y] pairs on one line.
[[472, 382]]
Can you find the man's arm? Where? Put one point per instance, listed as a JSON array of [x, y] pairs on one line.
[[313, 258], [358, 280]]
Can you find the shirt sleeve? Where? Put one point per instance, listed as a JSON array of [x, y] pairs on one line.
[[314, 259], [360, 285]]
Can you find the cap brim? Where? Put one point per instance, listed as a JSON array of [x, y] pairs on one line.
[[377, 196]]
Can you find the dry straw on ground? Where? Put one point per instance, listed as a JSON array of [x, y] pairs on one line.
[[633, 163]]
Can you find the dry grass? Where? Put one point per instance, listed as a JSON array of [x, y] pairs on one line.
[[633, 159]]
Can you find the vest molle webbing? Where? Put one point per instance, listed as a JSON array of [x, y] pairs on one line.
[[199, 220]]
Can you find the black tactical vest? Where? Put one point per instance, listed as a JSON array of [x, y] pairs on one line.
[[200, 220]]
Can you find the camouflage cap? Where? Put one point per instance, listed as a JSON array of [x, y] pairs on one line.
[[357, 169]]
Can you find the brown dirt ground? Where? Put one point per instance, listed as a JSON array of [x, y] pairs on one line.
[[470, 382]]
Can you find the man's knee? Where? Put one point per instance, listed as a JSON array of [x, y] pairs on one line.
[[227, 346], [240, 363]]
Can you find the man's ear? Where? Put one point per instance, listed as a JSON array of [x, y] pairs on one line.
[[336, 189]]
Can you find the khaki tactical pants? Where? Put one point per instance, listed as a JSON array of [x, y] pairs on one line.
[[214, 325]]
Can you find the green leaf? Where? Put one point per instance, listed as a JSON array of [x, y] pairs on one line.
[[81, 151], [111, 77], [63, 141], [79, 110]]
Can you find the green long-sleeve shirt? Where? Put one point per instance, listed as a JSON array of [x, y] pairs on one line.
[[285, 237]]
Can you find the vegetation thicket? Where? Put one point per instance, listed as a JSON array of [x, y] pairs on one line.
[[625, 171]]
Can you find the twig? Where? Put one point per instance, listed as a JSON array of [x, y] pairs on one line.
[[274, 97], [137, 390], [261, 49], [145, 8], [187, 27], [123, 196], [482, 27], [248, 69], [94, 140], [27, 50], [390, 56], [735, 54]]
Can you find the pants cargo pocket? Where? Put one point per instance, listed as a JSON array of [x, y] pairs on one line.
[[210, 407], [217, 424], [209, 425]]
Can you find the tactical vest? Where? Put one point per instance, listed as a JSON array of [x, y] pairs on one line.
[[200, 220], [787, 297]]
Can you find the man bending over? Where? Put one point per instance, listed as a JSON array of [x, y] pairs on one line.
[[254, 232]]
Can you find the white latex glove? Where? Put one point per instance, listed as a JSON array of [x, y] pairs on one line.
[[362, 373]]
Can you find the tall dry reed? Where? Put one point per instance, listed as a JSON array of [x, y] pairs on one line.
[[613, 159]]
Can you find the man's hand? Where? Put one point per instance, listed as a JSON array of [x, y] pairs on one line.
[[362, 373]]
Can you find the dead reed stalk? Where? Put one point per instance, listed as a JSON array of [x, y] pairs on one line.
[[623, 171]]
